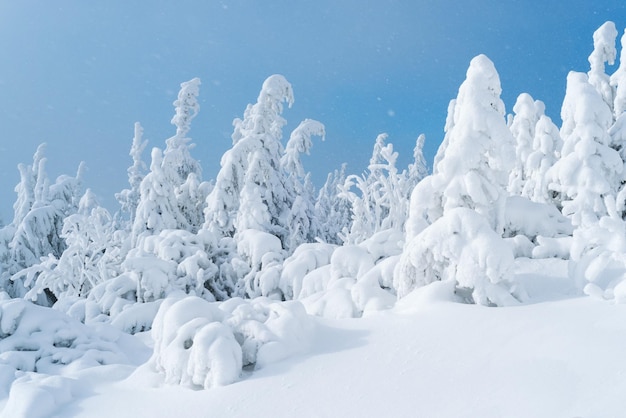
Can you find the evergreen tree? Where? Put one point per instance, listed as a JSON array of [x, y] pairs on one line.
[[475, 159], [546, 147], [333, 212], [302, 223], [129, 198], [603, 51], [618, 82], [588, 170], [527, 114]]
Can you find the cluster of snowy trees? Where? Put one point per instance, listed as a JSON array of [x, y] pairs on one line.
[[225, 253]]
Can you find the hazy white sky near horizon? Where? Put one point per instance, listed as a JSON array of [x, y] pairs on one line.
[[77, 74]]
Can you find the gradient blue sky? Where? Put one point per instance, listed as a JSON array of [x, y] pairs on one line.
[[77, 74]]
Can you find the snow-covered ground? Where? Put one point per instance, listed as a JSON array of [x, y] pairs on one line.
[[428, 356]]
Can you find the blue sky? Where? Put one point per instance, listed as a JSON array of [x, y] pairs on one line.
[[78, 74]]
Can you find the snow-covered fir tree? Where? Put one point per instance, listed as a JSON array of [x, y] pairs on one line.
[[527, 114], [464, 200], [303, 223], [603, 52], [475, 158], [129, 198], [588, 169], [333, 212], [618, 81]]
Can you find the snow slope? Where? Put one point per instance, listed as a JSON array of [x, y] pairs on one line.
[[427, 357]]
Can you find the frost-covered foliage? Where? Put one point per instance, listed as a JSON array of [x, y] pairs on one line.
[[460, 247], [379, 198], [589, 169], [202, 344], [474, 161]]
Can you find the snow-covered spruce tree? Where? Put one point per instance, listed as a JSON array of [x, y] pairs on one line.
[[603, 52], [477, 157], [172, 194], [546, 149], [527, 114], [247, 208], [618, 81], [262, 219], [183, 170], [129, 198], [303, 223], [461, 205], [418, 169], [332, 211], [40, 210], [589, 169], [262, 203]]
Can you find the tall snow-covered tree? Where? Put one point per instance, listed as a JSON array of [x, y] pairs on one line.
[[456, 216], [303, 224], [589, 169], [418, 169], [527, 114], [603, 52], [546, 149], [618, 81], [129, 198], [476, 158], [158, 207], [256, 142], [172, 195], [333, 212]]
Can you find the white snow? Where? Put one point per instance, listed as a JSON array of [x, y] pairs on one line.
[[428, 356]]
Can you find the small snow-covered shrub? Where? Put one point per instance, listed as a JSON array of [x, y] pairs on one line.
[[598, 257], [267, 330], [260, 259], [206, 344], [357, 279], [39, 339], [191, 345], [305, 259], [524, 217], [461, 247]]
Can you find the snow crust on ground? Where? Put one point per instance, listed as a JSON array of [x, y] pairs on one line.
[[559, 355]]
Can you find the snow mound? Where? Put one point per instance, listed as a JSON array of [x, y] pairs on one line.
[[206, 344], [43, 340]]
